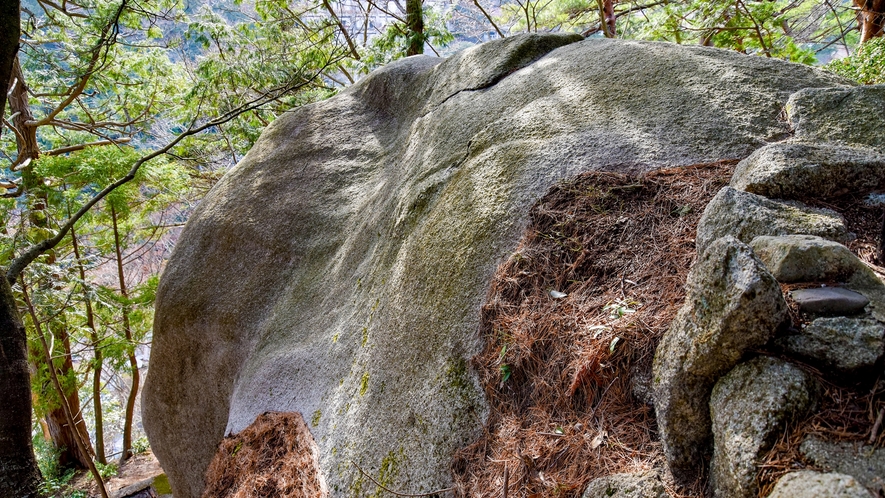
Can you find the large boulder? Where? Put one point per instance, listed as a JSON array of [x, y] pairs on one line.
[[338, 271]]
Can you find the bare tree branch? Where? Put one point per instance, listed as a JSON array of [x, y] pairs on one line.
[[487, 16], [21, 262], [343, 29], [74, 148]]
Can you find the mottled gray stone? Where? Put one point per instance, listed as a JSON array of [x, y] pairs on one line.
[[732, 305], [806, 258], [846, 115], [811, 484], [864, 463], [638, 485], [829, 301], [339, 270], [746, 216], [847, 345], [801, 171], [750, 407]]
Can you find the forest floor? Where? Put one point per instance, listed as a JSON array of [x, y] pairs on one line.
[[137, 469], [571, 323]]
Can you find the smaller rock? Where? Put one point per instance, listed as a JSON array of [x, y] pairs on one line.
[[847, 115], [750, 406], [638, 485], [732, 305], [811, 484], [746, 216], [806, 258], [829, 301], [140, 489], [797, 170], [847, 345], [864, 463]]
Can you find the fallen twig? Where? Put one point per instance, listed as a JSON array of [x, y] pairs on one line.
[[875, 432]]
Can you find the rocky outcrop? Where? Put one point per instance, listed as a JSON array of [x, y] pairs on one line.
[[338, 271], [800, 170], [843, 345], [841, 298], [838, 116], [864, 463], [732, 305], [806, 258], [750, 407]]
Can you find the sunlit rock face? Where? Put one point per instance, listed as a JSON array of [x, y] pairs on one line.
[[338, 271]]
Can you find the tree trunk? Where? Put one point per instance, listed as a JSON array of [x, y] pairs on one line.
[[97, 360], [19, 475], [69, 414], [133, 363], [71, 454], [9, 33], [26, 134], [414, 27], [871, 18], [607, 17]]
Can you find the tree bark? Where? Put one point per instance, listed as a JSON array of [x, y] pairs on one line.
[[871, 18], [9, 34], [607, 17], [97, 360], [19, 475], [133, 362], [71, 455], [414, 27], [25, 132]]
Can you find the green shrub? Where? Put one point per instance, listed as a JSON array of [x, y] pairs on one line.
[[106, 470], [140, 445], [866, 65]]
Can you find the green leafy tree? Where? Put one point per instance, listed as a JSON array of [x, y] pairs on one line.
[[94, 78]]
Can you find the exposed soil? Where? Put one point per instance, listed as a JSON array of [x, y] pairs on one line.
[[558, 369], [275, 456]]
